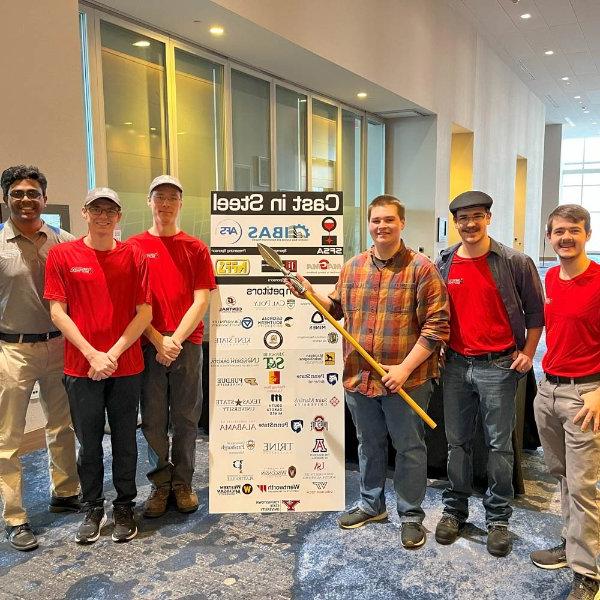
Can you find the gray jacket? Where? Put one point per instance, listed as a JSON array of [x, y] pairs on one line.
[[518, 282]]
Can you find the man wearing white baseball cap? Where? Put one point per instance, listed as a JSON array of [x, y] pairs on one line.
[[100, 299], [181, 278]]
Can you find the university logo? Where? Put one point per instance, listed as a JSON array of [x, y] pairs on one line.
[[250, 444], [317, 317], [276, 397], [333, 337], [262, 487], [296, 425], [291, 504], [292, 471], [290, 302], [238, 464], [332, 378], [250, 380], [320, 485], [334, 401], [273, 339], [247, 322], [247, 489], [329, 358], [288, 321], [319, 465], [319, 424], [320, 445], [274, 362], [274, 377]]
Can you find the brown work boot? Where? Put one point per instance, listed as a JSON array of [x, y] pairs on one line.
[[186, 498], [156, 504]]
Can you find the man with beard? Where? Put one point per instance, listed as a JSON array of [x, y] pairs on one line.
[[394, 304], [497, 316], [567, 405], [31, 349]]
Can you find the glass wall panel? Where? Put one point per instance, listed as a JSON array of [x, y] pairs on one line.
[[572, 150], [351, 181], [199, 93], [251, 132], [324, 146], [133, 72], [291, 139], [375, 160]]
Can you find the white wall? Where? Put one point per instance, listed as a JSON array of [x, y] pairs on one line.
[[551, 183]]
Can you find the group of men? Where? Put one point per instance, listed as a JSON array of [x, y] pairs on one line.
[[474, 322], [101, 325], [131, 316]]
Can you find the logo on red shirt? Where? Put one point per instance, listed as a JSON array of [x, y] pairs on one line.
[[87, 270]]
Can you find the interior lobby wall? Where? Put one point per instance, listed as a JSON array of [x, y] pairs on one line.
[[425, 52], [551, 183]]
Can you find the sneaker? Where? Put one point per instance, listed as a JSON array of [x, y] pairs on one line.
[[156, 504], [552, 558], [357, 517], [412, 535], [89, 530], [20, 537], [583, 588], [447, 529], [60, 504], [499, 541], [186, 498], [125, 525]]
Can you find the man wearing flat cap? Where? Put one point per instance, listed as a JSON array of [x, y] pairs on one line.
[[181, 278], [497, 317], [100, 299]]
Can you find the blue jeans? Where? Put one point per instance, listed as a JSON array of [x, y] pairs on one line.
[[488, 387], [375, 417]]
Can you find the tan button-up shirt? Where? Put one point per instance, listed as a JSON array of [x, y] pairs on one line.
[[22, 270]]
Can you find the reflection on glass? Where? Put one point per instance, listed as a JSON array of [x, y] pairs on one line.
[[375, 159], [199, 93], [135, 115], [291, 140], [324, 146], [572, 150], [351, 181], [571, 195], [251, 131]]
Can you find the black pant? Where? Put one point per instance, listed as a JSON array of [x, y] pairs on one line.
[[89, 400]]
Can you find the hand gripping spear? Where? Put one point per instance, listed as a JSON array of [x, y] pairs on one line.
[[272, 259]]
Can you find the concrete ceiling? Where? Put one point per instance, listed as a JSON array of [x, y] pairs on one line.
[[570, 29]]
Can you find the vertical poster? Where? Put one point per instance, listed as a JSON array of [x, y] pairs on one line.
[[276, 440]]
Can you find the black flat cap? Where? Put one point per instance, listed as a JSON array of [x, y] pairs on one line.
[[469, 199]]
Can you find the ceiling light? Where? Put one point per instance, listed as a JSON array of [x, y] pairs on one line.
[[549, 52], [141, 44], [217, 30], [576, 97], [594, 123], [152, 128], [128, 123], [586, 111], [565, 78], [361, 95], [525, 16]]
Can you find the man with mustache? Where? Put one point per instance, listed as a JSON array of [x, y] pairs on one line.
[[497, 316], [567, 405]]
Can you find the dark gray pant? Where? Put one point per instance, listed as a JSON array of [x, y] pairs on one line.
[[89, 400], [172, 396]]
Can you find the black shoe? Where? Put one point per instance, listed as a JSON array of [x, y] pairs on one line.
[[20, 537], [552, 558], [413, 535], [89, 530], [125, 525], [447, 529], [583, 588], [64, 504], [357, 517], [499, 541]]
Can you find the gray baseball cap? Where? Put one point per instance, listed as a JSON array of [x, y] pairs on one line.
[[165, 179], [102, 192]]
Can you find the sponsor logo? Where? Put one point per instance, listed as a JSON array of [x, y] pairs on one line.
[[271, 472], [292, 471], [281, 488], [330, 250], [152, 255], [310, 401], [247, 322], [333, 337], [319, 424], [329, 240], [229, 231], [290, 265], [279, 232], [272, 425], [250, 380], [332, 378], [319, 465], [240, 477], [230, 305], [268, 290], [238, 464], [288, 321], [274, 362], [296, 425], [276, 397], [238, 447], [277, 447], [320, 445], [290, 504], [231, 266], [324, 265], [232, 340], [247, 489], [229, 381], [317, 317], [334, 401], [229, 490], [273, 339], [235, 361], [328, 224], [240, 426], [311, 377], [237, 404], [86, 270], [270, 321], [290, 303], [329, 358], [274, 378], [320, 485]]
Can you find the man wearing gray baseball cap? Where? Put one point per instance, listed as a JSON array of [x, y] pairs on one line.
[[181, 278], [100, 299]]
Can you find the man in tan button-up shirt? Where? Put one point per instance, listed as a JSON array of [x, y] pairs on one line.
[[31, 349]]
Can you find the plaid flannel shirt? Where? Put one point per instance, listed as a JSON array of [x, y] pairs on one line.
[[388, 310]]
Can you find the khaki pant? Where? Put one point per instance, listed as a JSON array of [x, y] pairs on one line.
[[573, 457], [21, 365]]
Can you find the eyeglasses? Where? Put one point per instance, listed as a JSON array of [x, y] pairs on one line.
[[20, 194], [466, 219], [97, 210], [168, 199]]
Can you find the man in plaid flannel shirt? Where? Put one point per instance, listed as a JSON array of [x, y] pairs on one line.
[[394, 304]]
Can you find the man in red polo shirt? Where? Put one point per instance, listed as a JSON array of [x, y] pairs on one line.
[[100, 299], [181, 278], [567, 405]]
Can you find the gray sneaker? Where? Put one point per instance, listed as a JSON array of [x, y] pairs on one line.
[[583, 588], [356, 517], [89, 530], [552, 558], [413, 535]]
